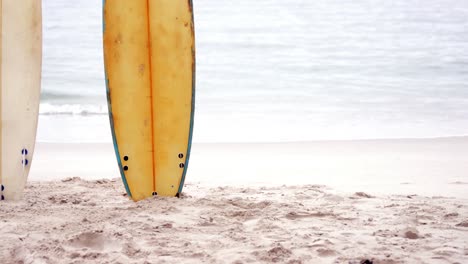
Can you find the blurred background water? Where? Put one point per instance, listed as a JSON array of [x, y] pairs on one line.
[[272, 70]]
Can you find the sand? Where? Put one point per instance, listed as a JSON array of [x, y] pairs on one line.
[[78, 221], [382, 201], [425, 166]]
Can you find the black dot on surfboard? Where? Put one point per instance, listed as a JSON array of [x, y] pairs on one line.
[[2, 198], [181, 156], [155, 194], [24, 152], [126, 158], [125, 168], [3, 188], [181, 165], [25, 162]]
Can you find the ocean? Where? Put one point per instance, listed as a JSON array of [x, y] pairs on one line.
[[279, 71]]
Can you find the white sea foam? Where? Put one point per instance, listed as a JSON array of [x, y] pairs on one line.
[[72, 109]]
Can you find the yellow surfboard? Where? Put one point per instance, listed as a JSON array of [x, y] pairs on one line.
[[149, 56]]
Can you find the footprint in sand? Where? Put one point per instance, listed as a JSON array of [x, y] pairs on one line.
[[277, 254], [94, 241], [410, 233]]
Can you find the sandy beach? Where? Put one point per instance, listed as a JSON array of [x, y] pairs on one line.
[[322, 131], [397, 166], [384, 201], [78, 221]]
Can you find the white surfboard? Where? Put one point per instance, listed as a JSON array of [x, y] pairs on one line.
[[20, 82]]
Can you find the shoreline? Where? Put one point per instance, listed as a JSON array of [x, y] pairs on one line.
[[402, 139], [428, 167]]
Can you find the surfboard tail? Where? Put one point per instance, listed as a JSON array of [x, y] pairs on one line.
[[20, 85], [149, 57]]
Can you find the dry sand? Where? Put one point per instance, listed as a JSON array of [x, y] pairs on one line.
[[78, 221], [386, 201]]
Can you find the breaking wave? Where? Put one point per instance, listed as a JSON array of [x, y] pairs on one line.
[[72, 109]]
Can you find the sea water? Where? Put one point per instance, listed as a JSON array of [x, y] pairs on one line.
[[275, 70]]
